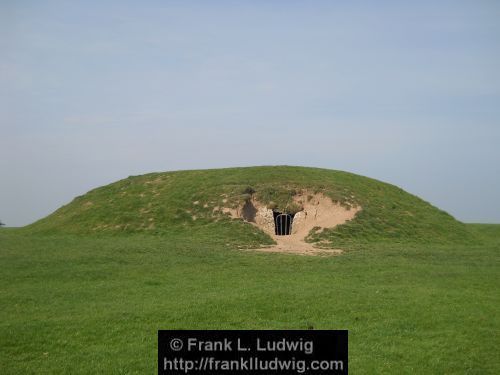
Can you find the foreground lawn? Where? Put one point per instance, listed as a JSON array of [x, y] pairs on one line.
[[75, 304]]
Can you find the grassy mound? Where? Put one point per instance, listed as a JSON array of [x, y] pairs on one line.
[[169, 202]]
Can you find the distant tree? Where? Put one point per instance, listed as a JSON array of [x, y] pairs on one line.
[[1, 223]]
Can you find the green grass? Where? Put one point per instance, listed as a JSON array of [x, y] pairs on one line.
[[86, 289], [93, 304], [161, 203]]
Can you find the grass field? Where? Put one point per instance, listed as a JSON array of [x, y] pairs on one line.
[[93, 304]]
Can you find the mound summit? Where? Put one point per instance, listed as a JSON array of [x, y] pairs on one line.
[[298, 208]]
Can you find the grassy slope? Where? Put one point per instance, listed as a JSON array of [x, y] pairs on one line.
[[83, 304], [160, 202]]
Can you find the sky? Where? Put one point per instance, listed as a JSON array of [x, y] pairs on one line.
[[95, 91]]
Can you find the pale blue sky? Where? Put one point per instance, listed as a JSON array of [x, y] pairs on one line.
[[94, 91]]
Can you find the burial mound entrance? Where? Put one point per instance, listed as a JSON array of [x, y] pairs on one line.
[[282, 223]]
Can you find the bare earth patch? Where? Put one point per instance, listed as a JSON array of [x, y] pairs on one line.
[[319, 212]]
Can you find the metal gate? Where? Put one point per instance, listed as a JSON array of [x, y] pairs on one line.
[[283, 224]]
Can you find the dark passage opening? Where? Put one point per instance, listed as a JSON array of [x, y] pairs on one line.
[[282, 223]]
